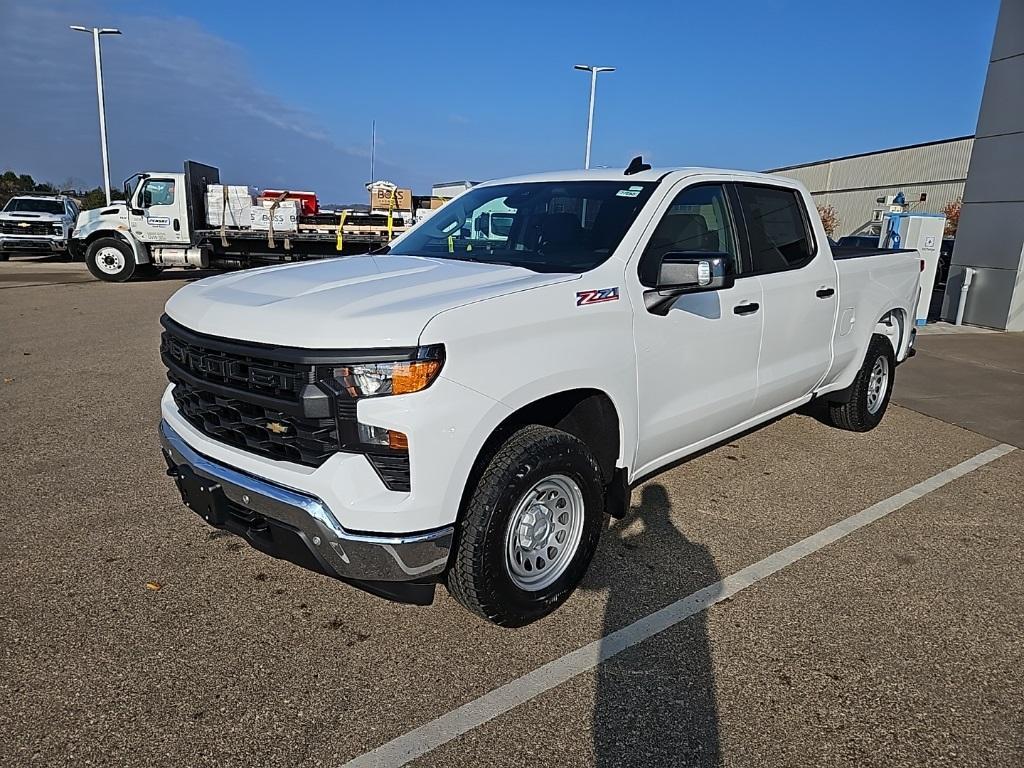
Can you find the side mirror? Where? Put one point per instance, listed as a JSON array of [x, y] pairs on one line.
[[147, 198], [689, 272], [692, 271]]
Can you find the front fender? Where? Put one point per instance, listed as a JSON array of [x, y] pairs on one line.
[[86, 233]]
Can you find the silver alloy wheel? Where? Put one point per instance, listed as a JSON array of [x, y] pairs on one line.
[[544, 533], [109, 260], [878, 384]]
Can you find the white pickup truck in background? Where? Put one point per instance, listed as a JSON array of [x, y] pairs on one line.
[[466, 409], [37, 223]]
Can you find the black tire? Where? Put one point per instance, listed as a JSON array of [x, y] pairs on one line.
[[855, 414], [478, 577], [127, 266], [4, 256]]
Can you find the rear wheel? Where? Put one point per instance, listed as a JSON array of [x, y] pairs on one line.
[[530, 528], [110, 260], [870, 391]]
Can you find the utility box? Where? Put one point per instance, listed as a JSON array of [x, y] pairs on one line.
[[923, 232]]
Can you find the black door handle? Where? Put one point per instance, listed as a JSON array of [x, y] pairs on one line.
[[177, 226], [746, 309], [824, 293]]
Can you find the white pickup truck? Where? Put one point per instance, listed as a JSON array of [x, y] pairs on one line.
[[466, 411], [36, 223]]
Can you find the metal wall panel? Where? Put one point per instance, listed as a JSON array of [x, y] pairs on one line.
[[942, 161], [853, 185], [855, 208], [814, 177]]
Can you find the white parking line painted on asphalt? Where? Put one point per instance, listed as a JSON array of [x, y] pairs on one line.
[[475, 713]]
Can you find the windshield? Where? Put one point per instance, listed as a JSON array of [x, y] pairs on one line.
[[35, 206], [550, 226]]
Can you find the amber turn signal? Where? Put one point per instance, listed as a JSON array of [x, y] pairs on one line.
[[398, 441], [414, 376]]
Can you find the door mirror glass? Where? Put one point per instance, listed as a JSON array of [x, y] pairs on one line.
[[694, 271], [147, 198]]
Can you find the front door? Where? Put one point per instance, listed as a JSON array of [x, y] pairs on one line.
[[800, 290], [163, 218], [697, 363]]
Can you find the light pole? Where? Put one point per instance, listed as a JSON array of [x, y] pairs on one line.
[[96, 32], [593, 88]]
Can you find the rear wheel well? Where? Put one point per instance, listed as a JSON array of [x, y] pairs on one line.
[[893, 325]]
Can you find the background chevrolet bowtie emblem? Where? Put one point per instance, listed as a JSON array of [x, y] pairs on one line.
[[23, 224], [277, 427]]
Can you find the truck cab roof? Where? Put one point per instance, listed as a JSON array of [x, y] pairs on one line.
[[653, 174]]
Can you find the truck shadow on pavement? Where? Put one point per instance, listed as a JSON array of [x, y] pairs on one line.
[[655, 702]]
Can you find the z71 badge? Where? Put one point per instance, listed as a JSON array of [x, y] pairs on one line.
[[598, 296]]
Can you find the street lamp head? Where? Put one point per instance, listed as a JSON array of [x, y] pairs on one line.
[[101, 30], [583, 67], [588, 68]]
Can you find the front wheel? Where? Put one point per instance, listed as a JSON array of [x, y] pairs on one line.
[[530, 528], [110, 260], [870, 391]]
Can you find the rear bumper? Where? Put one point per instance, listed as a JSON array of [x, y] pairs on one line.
[[302, 529], [45, 244]]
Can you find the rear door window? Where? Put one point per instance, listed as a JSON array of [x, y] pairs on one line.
[[777, 228]]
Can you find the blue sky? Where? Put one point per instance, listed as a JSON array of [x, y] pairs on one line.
[[282, 94]]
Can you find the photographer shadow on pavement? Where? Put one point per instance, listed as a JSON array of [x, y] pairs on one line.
[[654, 702]]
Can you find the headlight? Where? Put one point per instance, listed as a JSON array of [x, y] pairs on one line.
[[391, 378]]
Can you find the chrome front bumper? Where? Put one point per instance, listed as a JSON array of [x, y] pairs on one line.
[[301, 528]]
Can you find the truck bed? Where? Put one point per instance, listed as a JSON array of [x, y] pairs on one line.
[[840, 253]]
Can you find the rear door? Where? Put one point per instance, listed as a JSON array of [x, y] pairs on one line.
[[696, 363], [800, 291]]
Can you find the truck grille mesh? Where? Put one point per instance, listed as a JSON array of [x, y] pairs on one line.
[[258, 375], [33, 228], [256, 428]]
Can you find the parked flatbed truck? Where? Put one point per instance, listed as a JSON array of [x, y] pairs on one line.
[[162, 223]]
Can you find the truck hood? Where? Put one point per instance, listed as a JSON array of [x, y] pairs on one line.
[[30, 216], [343, 303], [115, 210]]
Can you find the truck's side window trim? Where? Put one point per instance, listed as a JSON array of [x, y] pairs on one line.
[[747, 246], [730, 212]]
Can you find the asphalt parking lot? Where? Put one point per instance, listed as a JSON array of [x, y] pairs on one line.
[[901, 643]]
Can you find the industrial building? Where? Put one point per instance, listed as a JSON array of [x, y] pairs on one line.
[[984, 171], [852, 185]]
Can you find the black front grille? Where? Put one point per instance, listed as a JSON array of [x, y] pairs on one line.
[[32, 228], [257, 428], [259, 375], [275, 402]]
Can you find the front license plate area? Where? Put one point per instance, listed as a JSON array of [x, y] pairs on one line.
[[202, 495]]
